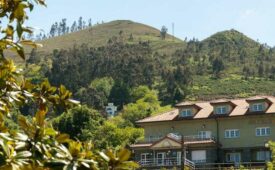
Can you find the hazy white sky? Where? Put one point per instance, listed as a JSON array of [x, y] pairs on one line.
[[192, 18]]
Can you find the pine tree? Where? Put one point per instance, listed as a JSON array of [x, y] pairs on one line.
[[261, 70], [63, 26], [272, 73], [80, 24], [52, 31], [163, 32], [74, 27], [217, 67], [90, 22]]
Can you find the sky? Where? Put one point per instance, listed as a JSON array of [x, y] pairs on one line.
[[192, 18]]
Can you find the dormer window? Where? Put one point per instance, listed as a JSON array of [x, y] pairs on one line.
[[186, 113], [221, 110], [257, 107]]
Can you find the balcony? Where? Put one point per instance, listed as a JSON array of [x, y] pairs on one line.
[[191, 138], [198, 138], [165, 162]]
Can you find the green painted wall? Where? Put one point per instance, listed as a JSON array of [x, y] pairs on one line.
[[246, 124]]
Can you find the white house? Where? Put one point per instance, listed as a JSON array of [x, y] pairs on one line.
[[111, 110]]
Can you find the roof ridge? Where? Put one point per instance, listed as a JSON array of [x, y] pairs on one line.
[[206, 109]]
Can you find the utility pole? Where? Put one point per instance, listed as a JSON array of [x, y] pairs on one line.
[[182, 152], [173, 33]]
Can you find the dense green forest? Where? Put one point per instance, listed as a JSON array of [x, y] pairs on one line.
[[227, 64]]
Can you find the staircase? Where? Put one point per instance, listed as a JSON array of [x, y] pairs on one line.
[[189, 164]]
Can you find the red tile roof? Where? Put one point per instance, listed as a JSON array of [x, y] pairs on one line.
[[161, 117], [240, 108]]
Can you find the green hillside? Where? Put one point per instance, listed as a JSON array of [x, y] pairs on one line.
[[99, 35], [248, 67], [227, 64]]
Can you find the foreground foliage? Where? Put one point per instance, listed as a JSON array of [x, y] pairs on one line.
[[271, 165], [37, 145]]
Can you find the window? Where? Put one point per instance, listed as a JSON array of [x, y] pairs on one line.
[[263, 155], [204, 134], [186, 113], [220, 110], [160, 158], [233, 157], [198, 156], [232, 133], [257, 107], [145, 158], [263, 131]]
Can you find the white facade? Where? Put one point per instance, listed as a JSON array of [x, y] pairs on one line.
[[111, 110]]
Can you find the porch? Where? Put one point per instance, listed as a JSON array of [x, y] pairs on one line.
[[166, 162], [175, 151]]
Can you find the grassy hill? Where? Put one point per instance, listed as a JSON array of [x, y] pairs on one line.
[[247, 63], [99, 35], [232, 37], [237, 51], [233, 41]]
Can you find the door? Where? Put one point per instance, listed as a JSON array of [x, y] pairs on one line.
[[160, 158]]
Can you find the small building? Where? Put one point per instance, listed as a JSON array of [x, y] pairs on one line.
[[111, 110], [220, 133]]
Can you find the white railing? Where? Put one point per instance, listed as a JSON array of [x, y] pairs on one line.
[[218, 166], [189, 163], [199, 161], [163, 162], [175, 136], [179, 138], [198, 138], [170, 161]]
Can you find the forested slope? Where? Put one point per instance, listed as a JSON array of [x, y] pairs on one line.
[[123, 55]]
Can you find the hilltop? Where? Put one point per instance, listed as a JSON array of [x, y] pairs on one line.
[[99, 35], [231, 37], [232, 40], [228, 63]]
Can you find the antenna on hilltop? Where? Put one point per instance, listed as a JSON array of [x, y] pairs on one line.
[[173, 33]]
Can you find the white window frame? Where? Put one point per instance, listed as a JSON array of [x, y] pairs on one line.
[[204, 134], [231, 133], [203, 154], [263, 131], [257, 107], [186, 113], [221, 110], [233, 155], [179, 158], [263, 155], [146, 159], [160, 161]]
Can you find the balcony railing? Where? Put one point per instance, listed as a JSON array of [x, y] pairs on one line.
[[198, 138], [179, 138], [165, 162]]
